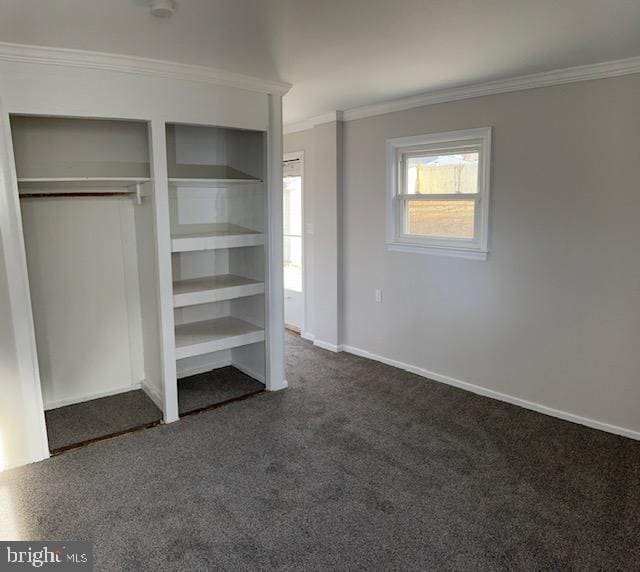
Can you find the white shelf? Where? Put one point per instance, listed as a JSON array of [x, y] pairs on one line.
[[71, 185], [205, 175], [214, 289], [233, 237], [207, 183], [199, 338]]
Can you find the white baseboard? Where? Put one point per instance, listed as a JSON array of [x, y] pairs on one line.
[[592, 423], [89, 396], [327, 346], [320, 343], [22, 462], [203, 368], [250, 372], [153, 393]]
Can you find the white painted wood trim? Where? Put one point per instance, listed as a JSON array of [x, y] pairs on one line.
[[208, 336], [274, 286], [135, 65], [211, 292], [313, 121], [326, 345], [207, 183], [411, 248], [248, 371], [182, 373], [479, 390], [152, 393], [36, 445], [213, 242], [476, 249], [602, 70], [88, 397], [158, 147]]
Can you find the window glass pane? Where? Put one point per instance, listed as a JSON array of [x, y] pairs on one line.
[[450, 219], [293, 263], [292, 205], [442, 174]]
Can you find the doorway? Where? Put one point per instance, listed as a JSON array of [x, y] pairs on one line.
[[293, 247]]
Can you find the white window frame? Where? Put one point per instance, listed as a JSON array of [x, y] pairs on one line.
[[439, 143]]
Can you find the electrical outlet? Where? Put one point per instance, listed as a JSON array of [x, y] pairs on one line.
[[378, 295]]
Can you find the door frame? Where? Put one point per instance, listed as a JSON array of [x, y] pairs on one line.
[[290, 157]]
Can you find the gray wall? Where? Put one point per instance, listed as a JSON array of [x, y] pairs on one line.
[[322, 198], [553, 316]]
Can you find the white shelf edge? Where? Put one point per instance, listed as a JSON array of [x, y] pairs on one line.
[[215, 242], [218, 342], [62, 185], [80, 179], [217, 294], [197, 182]]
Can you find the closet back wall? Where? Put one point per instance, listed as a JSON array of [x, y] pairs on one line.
[[82, 259]]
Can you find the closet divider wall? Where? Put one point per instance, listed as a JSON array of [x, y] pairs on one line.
[[141, 231]]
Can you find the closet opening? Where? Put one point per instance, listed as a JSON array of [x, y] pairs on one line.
[[86, 199], [217, 205]]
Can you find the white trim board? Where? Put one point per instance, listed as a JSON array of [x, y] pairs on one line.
[[203, 368], [152, 393], [327, 346], [73, 400], [253, 374], [479, 390], [574, 74], [312, 122], [28, 54]]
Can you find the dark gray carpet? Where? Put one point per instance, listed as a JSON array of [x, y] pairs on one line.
[[358, 466], [204, 389], [91, 419]]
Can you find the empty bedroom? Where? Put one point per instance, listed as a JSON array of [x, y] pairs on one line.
[[320, 285]]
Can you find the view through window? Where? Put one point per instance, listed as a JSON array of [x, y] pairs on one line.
[[427, 175], [292, 206]]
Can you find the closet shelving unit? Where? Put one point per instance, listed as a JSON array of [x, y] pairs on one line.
[[217, 207], [96, 284]]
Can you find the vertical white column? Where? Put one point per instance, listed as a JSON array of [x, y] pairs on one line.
[[274, 330], [158, 146], [23, 434]]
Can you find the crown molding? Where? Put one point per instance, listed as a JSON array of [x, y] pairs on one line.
[[544, 79], [85, 59], [313, 121]]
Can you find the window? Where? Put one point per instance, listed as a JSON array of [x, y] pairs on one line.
[[439, 193]]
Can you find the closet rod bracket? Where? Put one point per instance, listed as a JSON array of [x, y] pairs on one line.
[[138, 191]]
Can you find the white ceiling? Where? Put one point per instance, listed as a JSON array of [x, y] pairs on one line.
[[340, 54]]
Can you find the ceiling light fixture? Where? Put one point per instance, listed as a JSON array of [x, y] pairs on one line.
[[163, 8]]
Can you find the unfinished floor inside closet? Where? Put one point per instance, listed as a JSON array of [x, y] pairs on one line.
[[82, 423], [86, 198]]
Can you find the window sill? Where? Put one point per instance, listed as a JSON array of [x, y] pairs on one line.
[[455, 252]]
